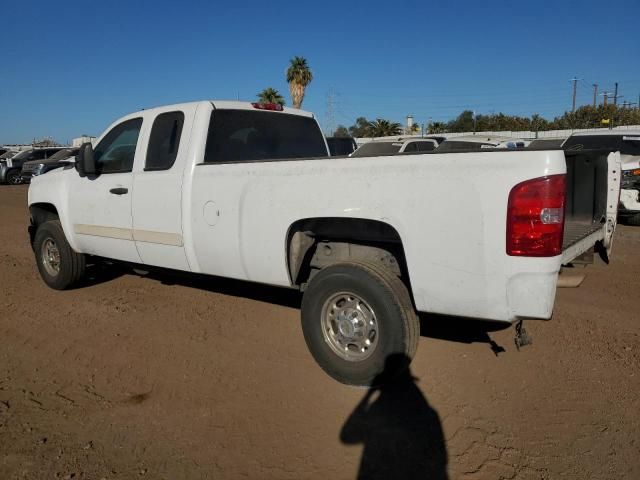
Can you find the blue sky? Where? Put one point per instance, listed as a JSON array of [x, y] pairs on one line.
[[70, 68]]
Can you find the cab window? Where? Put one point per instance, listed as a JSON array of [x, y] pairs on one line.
[[164, 141], [116, 151]]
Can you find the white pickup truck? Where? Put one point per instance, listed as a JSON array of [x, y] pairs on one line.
[[248, 191]]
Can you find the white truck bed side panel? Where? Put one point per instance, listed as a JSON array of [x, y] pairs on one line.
[[449, 210]]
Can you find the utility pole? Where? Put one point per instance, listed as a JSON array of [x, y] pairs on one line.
[[615, 95], [575, 85], [595, 93], [606, 97], [330, 112]]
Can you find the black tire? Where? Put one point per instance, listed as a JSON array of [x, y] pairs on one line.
[[634, 220], [13, 177], [397, 332], [71, 265]]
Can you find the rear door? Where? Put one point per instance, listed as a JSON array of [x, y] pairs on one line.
[[157, 197]]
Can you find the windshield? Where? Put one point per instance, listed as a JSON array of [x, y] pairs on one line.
[[22, 155], [6, 155], [64, 153], [377, 148], [462, 146], [244, 135]]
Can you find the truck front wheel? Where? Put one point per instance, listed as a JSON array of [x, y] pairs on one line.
[[355, 318], [59, 265]]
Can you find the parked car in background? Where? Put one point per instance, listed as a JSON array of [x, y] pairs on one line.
[[393, 147], [33, 168], [11, 168], [627, 142], [341, 146], [8, 154], [475, 143], [547, 142]]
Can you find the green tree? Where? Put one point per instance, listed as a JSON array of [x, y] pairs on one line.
[[341, 131], [384, 128], [299, 77], [463, 123], [360, 128], [437, 127], [270, 95]]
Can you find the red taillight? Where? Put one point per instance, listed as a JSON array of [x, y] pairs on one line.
[[535, 217], [268, 106]]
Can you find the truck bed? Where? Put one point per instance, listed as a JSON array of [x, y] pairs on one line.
[[585, 211]]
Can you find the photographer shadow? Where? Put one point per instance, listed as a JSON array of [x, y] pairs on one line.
[[402, 435]]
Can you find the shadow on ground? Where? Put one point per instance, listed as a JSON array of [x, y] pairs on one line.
[[401, 434], [461, 330], [443, 327]]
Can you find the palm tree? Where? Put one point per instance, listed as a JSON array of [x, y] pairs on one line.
[[298, 77], [384, 128], [270, 95]]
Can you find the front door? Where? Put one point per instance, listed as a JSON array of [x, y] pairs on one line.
[[101, 212]]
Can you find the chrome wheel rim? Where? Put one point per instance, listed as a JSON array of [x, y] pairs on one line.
[[349, 326], [51, 257], [14, 179]]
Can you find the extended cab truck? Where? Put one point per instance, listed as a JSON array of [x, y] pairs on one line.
[[246, 191]]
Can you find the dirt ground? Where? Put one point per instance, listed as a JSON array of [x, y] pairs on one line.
[[171, 376]]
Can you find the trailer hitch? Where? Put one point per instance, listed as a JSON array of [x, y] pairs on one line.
[[522, 338]]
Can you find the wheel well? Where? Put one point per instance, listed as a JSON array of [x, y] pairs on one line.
[[315, 243], [40, 213]]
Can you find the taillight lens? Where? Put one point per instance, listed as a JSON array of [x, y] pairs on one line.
[[535, 217]]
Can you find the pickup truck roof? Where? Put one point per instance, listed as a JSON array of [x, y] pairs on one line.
[[230, 105], [598, 133]]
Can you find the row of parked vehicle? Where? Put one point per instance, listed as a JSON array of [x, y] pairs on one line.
[[20, 167], [626, 142]]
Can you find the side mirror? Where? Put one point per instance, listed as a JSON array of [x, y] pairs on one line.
[[85, 164]]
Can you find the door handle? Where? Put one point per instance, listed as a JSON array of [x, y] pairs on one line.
[[119, 191]]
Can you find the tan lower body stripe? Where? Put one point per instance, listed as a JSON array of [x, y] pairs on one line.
[[146, 236]]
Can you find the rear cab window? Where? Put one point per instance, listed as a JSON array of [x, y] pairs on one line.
[[164, 141], [246, 135]]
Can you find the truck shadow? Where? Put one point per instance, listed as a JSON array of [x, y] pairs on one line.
[[400, 432], [461, 330], [442, 327], [286, 297]]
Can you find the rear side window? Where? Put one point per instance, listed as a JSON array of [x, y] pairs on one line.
[[377, 148], [164, 141], [411, 147], [425, 146], [245, 135], [116, 151]]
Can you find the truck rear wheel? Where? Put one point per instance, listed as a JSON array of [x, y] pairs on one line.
[[354, 317], [59, 265]]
